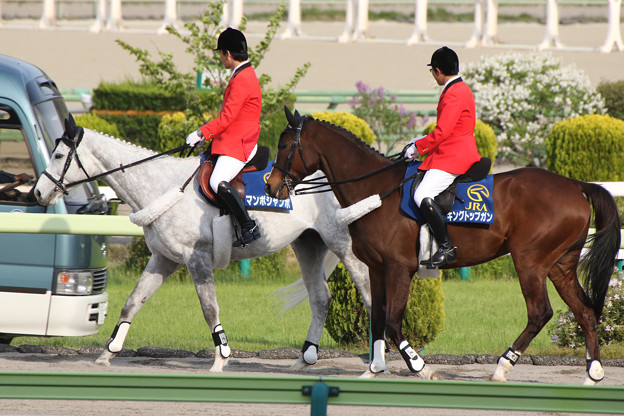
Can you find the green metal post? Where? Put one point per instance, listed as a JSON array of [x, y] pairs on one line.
[[464, 272], [245, 267]]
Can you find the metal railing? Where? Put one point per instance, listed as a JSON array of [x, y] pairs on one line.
[[318, 392]]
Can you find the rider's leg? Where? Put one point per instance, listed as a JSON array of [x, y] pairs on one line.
[[224, 171], [433, 183]]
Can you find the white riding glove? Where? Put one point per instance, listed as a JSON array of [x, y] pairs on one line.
[[194, 138], [411, 152]]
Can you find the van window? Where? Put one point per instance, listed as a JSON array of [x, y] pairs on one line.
[[51, 116], [14, 159]]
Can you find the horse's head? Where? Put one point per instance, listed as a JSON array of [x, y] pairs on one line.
[[51, 185], [292, 162]]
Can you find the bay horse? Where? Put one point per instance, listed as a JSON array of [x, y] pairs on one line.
[[183, 234], [541, 220]]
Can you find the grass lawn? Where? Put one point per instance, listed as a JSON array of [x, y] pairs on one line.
[[482, 316]]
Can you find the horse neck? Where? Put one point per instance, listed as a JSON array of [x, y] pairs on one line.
[[137, 185], [345, 157]]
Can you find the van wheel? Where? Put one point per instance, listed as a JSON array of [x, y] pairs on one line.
[[5, 339]]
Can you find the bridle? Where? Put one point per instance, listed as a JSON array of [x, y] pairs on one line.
[[290, 179], [71, 140]]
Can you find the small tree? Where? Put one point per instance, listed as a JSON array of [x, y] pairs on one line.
[[389, 120], [201, 42]]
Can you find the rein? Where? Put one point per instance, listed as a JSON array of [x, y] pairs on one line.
[[73, 142], [291, 180]]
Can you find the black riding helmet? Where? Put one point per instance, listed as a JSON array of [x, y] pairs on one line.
[[446, 60]]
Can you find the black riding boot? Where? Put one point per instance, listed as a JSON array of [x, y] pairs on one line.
[[232, 200], [446, 252]]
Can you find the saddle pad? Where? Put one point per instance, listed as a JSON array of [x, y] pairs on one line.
[[477, 208], [256, 196]]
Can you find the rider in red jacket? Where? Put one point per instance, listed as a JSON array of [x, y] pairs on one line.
[[235, 132], [451, 148]]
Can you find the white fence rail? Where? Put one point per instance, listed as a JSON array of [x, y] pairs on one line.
[[109, 16]]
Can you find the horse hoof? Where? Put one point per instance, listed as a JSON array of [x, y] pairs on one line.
[[498, 378], [218, 365], [370, 374], [103, 362], [299, 365], [427, 374], [589, 382]]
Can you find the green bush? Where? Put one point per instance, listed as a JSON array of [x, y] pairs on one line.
[[350, 122], [587, 148], [94, 122], [613, 94], [141, 130], [501, 268], [348, 322], [484, 134]]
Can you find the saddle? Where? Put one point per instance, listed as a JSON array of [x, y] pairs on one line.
[[257, 163], [478, 171]]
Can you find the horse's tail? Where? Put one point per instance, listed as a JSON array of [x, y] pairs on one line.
[[599, 261]]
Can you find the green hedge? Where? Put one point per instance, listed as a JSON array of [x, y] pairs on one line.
[[94, 122], [587, 148], [350, 122], [613, 94], [348, 322]]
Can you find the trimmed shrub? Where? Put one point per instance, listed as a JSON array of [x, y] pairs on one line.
[[94, 122], [348, 322], [350, 122], [613, 94], [484, 134], [587, 148], [141, 130]]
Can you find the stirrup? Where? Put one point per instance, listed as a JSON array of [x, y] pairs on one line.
[[440, 258], [248, 235]]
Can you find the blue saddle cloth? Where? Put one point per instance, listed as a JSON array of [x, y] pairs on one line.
[[255, 195], [477, 208]]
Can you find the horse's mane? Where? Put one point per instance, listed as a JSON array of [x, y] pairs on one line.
[[125, 142], [349, 135]]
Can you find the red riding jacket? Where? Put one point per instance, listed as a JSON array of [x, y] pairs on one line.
[[451, 146], [236, 130]]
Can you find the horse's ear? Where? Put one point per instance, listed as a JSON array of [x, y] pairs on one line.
[[289, 116], [297, 116]]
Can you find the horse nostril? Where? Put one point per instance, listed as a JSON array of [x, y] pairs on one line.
[[267, 189]]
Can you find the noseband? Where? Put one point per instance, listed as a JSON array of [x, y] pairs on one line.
[[290, 179]]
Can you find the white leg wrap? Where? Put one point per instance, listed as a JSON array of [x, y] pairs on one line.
[[310, 354], [412, 359], [378, 364], [220, 340], [595, 371], [119, 336]]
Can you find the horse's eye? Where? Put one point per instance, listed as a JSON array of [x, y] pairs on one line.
[[58, 156], [282, 146]]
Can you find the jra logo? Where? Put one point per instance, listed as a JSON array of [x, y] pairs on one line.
[[477, 194]]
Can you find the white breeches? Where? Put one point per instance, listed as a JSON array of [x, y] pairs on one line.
[[227, 168], [434, 182]]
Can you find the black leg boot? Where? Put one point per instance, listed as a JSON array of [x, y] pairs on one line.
[[230, 198], [446, 252]]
